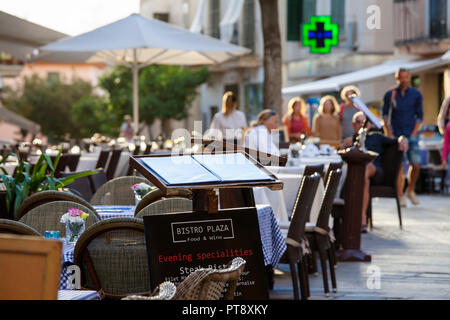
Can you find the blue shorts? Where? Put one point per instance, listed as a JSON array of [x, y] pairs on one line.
[[413, 153]]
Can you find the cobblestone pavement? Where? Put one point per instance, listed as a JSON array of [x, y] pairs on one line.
[[414, 263]]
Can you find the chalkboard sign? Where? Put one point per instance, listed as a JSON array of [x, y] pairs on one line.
[[180, 243]]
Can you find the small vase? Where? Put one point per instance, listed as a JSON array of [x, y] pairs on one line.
[[73, 231], [137, 198]]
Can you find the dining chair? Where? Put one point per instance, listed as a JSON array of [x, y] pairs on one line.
[[63, 162], [97, 179], [318, 233], [81, 185], [102, 159], [47, 216], [16, 227], [73, 161], [169, 205], [165, 291], [117, 191], [29, 267], [296, 241], [209, 283], [112, 256], [391, 162], [136, 152], [333, 166], [157, 194], [311, 169], [46, 196], [112, 164]]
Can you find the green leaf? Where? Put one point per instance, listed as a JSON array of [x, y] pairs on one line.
[[68, 180]]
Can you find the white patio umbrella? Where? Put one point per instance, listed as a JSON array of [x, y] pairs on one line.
[[137, 42]]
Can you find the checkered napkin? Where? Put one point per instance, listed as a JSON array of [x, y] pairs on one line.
[[67, 260], [108, 212], [273, 243]]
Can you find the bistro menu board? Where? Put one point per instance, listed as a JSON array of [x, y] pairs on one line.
[[180, 243]]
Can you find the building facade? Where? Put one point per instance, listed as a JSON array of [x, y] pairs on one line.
[[371, 32]]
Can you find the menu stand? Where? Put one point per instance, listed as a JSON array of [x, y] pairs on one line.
[[353, 197], [205, 199], [233, 194], [237, 197]]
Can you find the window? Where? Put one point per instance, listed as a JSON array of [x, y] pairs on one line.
[[298, 12], [338, 14], [161, 16], [214, 18], [249, 25], [52, 78], [438, 18]]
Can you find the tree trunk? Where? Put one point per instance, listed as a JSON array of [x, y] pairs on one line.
[[272, 55], [166, 128]]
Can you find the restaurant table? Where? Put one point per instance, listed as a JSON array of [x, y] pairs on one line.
[[78, 295], [10, 166], [282, 201], [272, 241]]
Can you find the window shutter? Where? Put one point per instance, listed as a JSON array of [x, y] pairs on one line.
[[294, 17]]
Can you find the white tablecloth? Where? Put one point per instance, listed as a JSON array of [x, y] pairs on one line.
[[9, 167], [282, 201]]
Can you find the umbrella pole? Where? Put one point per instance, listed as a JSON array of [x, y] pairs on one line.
[[135, 70]]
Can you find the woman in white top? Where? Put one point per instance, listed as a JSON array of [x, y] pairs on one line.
[[259, 136], [229, 123]]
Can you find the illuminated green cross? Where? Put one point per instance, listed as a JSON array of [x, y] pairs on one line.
[[320, 35]]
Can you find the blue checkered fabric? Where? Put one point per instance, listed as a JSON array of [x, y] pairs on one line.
[[108, 212], [273, 243]]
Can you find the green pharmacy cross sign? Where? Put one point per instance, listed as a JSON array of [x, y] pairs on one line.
[[320, 35]]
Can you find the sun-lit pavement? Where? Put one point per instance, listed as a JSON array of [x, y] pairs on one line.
[[414, 263]]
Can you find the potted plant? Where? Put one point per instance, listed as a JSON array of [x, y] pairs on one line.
[[25, 181]]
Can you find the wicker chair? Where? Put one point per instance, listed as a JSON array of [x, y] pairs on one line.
[[117, 191], [331, 167], [165, 206], [97, 180], [295, 240], [112, 256], [157, 194], [102, 159], [46, 196], [16, 227], [311, 169], [318, 233], [208, 284], [47, 216], [165, 291], [113, 163], [81, 185]]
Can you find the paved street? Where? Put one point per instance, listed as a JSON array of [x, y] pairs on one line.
[[414, 262]]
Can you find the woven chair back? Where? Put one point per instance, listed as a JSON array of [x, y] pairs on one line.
[[302, 206], [112, 256], [328, 198], [16, 227], [47, 216], [117, 191], [168, 205], [209, 284], [311, 169], [46, 196]]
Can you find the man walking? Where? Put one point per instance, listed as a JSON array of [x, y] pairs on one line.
[[403, 115]]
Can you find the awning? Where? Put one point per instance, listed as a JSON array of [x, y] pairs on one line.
[[23, 123], [336, 83]]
